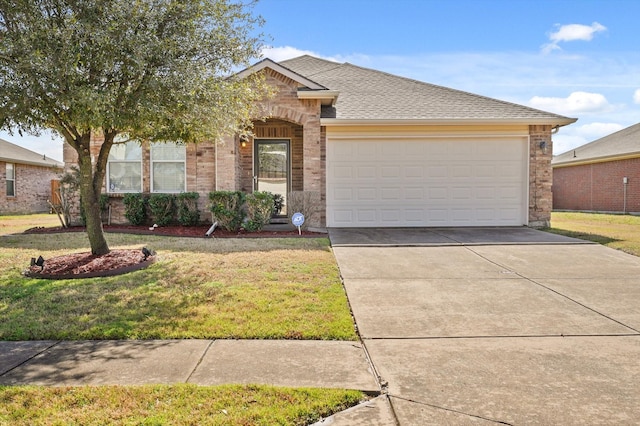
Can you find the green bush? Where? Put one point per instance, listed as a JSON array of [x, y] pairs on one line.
[[188, 214], [259, 207], [162, 208], [226, 209], [135, 208]]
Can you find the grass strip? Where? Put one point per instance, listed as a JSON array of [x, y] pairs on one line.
[[170, 405]]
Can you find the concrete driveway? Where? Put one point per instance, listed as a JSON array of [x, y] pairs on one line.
[[495, 325]]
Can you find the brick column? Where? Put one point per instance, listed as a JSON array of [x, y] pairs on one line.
[[540, 176]]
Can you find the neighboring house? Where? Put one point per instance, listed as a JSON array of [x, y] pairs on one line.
[[25, 179], [373, 148], [602, 176]]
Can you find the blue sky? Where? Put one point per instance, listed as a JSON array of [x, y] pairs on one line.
[[579, 58]]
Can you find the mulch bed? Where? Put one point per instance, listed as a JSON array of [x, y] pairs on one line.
[[183, 231], [86, 265]]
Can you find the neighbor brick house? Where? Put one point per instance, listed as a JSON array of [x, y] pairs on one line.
[[372, 148], [601, 176], [25, 179]]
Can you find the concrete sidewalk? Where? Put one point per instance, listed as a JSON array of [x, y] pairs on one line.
[[323, 364]]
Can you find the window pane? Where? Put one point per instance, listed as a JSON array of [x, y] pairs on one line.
[[167, 152], [11, 172], [11, 180], [168, 177], [130, 151], [124, 177]]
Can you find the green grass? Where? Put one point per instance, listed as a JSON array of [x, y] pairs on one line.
[[198, 288], [621, 232], [170, 405], [12, 224]]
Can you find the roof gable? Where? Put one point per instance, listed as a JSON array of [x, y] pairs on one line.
[[367, 94], [268, 63], [623, 143], [12, 153]]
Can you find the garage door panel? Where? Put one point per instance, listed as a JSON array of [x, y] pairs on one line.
[[465, 182]]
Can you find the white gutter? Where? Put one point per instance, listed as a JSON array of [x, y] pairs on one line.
[[452, 121]]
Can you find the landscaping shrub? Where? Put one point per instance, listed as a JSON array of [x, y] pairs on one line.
[[135, 208], [188, 214], [259, 207], [162, 208], [226, 209]]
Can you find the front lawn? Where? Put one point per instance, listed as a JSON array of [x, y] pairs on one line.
[[170, 405], [198, 288], [13, 224], [621, 232]]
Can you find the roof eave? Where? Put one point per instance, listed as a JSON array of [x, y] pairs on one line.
[[32, 163], [594, 160], [326, 97], [552, 121]]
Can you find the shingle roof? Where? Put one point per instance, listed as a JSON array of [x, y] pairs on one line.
[[625, 142], [12, 153], [367, 94]]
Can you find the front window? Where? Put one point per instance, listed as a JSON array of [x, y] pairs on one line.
[[168, 167], [124, 168], [11, 180]]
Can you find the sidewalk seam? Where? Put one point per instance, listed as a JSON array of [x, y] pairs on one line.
[[204, 353], [30, 358]]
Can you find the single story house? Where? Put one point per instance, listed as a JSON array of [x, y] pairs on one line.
[[372, 149], [601, 176], [25, 179]]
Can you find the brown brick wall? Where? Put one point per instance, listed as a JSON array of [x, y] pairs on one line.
[[598, 187], [32, 189], [540, 176]]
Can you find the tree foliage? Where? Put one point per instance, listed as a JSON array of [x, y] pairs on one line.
[[154, 70]]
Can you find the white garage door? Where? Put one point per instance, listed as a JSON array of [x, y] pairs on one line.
[[426, 182]]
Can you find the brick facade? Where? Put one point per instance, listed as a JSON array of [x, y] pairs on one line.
[[598, 187], [540, 176], [32, 189]]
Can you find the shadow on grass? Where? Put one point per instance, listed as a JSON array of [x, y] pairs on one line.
[[129, 306], [79, 242], [600, 239]]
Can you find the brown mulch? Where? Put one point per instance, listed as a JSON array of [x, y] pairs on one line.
[[86, 265], [182, 231]]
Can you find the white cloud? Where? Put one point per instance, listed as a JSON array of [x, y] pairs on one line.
[[636, 96], [572, 32], [575, 103], [596, 130], [565, 142], [573, 136]]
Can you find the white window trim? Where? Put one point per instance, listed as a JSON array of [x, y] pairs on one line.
[[151, 172], [12, 179]]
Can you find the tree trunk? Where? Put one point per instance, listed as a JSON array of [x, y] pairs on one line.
[[90, 198]]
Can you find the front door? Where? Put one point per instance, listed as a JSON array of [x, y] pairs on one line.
[[271, 169]]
